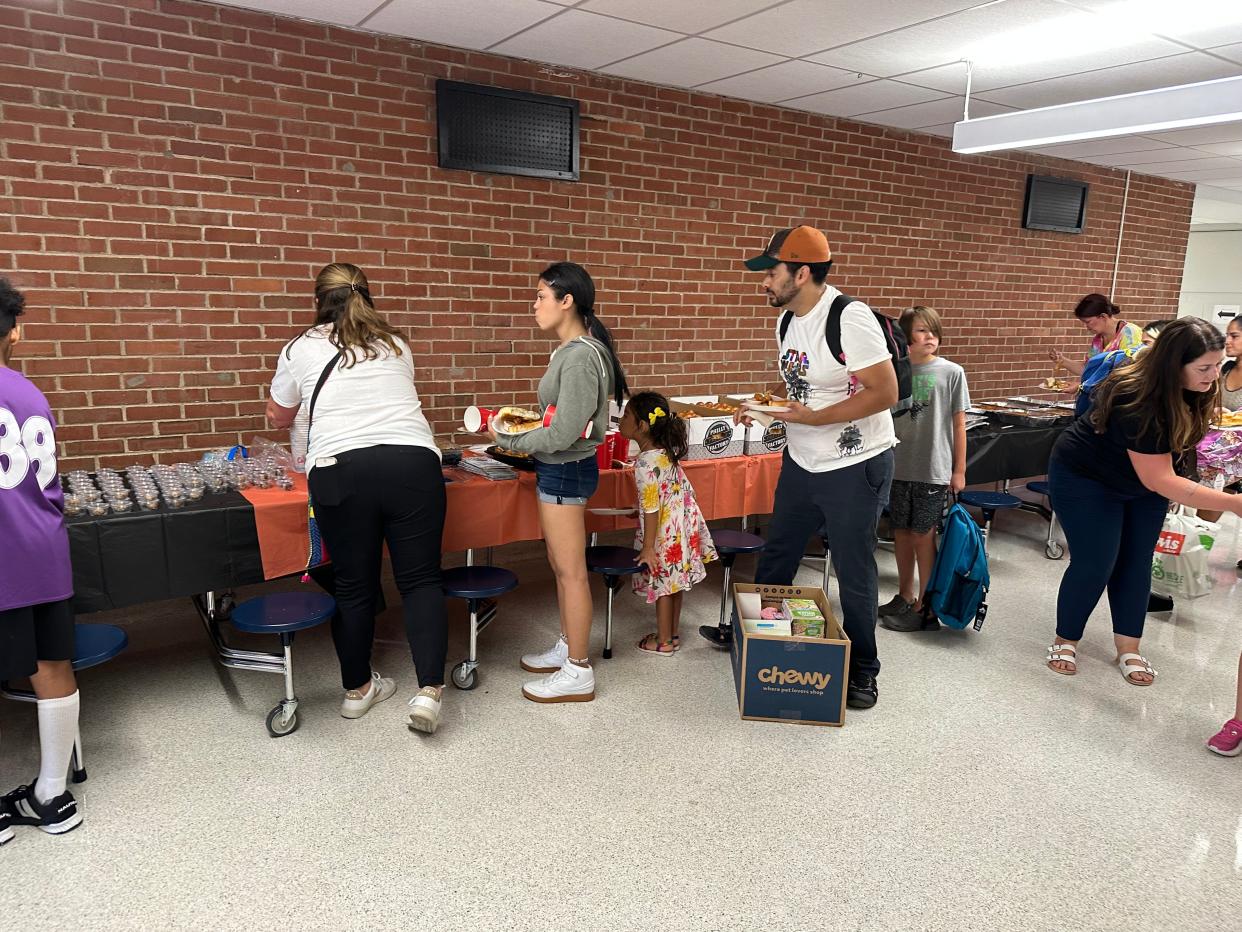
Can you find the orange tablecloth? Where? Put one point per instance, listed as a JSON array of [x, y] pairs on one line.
[[486, 513]]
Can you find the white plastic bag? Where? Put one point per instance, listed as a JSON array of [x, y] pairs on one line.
[[1179, 567]]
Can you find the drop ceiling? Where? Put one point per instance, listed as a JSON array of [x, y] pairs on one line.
[[896, 64]]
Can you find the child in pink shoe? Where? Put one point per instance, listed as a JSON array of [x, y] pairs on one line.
[[1228, 741]]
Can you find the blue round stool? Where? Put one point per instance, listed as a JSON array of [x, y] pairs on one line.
[[283, 614], [478, 585], [729, 544], [92, 645], [614, 564], [989, 503], [1052, 547]]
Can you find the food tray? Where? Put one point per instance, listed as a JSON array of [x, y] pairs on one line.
[[511, 459]]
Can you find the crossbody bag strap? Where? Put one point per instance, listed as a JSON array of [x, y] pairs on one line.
[[323, 377]]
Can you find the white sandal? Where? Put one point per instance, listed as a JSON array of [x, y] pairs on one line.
[[1125, 663], [1054, 656]]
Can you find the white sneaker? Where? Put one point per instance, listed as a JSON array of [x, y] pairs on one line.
[[357, 704], [570, 683], [425, 711], [550, 660]]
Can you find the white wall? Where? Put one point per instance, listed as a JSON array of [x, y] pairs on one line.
[[1213, 274]]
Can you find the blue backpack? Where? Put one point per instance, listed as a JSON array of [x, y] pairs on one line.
[[1097, 369], [958, 590]]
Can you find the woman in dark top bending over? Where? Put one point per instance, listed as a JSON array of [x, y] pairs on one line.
[[1112, 475]]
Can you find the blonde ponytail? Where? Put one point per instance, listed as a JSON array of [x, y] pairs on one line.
[[343, 299]]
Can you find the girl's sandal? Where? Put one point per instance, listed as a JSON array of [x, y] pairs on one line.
[[676, 642], [651, 644], [1063, 653], [1129, 664]]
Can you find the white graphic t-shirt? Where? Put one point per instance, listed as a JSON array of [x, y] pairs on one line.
[[817, 380]]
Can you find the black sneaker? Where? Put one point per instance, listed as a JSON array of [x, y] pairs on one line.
[[863, 692], [718, 635], [6, 825], [56, 816], [1159, 603], [912, 619]]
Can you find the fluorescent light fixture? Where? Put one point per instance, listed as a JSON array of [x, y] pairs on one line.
[[1200, 104]]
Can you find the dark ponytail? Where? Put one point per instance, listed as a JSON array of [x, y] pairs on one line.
[[666, 429], [569, 278]]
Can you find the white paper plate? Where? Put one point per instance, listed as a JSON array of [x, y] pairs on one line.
[[613, 511], [768, 409]]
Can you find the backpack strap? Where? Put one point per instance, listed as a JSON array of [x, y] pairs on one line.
[[786, 320], [832, 331]]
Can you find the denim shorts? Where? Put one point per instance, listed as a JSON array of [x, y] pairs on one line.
[[567, 483]]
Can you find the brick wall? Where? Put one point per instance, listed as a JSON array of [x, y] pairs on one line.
[[173, 174]]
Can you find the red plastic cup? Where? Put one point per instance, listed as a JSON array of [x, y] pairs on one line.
[[620, 447], [603, 453], [476, 419], [550, 412]]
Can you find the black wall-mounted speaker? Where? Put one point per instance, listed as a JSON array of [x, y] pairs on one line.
[[1058, 204], [490, 129]]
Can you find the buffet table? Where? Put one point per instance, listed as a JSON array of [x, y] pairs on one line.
[[232, 539]]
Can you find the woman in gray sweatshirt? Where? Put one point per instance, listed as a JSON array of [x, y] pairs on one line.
[[582, 375]]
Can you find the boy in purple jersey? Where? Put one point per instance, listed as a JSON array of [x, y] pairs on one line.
[[36, 586]]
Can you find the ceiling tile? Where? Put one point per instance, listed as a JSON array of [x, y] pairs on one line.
[[1122, 79], [1232, 52], [690, 18], [788, 79], [1225, 176], [1200, 135], [931, 113], [691, 62], [1186, 166], [469, 24], [970, 34], [1202, 23], [1225, 148], [584, 40], [321, 11], [1157, 157], [801, 27], [1096, 148], [864, 98]]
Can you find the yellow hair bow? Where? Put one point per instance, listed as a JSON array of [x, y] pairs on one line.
[[656, 415]]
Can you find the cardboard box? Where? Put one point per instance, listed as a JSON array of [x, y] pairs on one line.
[[713, 435], [760, 439], [783, 678]]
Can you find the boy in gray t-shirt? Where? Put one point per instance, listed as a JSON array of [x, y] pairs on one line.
[[930, 460]]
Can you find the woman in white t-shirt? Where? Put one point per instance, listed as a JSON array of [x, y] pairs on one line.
[[375, 476]]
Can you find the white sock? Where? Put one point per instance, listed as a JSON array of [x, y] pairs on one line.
[[58, 729]]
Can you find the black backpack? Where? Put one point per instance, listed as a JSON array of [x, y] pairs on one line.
[[894, 338]]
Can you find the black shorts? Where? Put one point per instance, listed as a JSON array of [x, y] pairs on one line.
[[916, 506], [34, 633]]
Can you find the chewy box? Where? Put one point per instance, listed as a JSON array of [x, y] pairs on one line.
[[784, 678], [713, 435]]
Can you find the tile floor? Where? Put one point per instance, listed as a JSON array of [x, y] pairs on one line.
[[983, 792]]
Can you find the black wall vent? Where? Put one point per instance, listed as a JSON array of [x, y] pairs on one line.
[[489, 129], [1058, 204]]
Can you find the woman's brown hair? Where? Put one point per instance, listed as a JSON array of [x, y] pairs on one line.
[[1152, 386], [343, 299]]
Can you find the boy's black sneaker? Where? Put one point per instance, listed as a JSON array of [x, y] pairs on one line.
[[56, 816], [6, 825], [863, 692]]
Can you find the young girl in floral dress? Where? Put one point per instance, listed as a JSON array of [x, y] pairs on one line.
[[673, 539]]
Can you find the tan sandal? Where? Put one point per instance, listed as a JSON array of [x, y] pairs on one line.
[[1055, 653]]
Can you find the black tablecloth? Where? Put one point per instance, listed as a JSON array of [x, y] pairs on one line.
[[146, 556], [994, 453]]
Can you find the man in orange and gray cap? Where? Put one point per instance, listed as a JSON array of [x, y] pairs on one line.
[[838, 463]]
